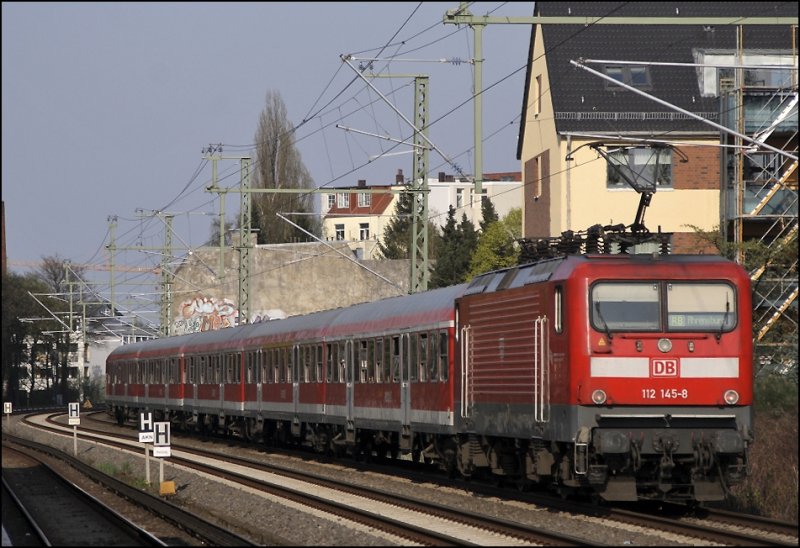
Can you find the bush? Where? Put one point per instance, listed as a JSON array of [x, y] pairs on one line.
[[771, 488]]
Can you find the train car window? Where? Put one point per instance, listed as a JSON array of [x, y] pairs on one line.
[[387, 360], [443, 356], [396, 359], [290, 361], [423, 357], [331, 361], [266, 366], [249, 368], [625, 306], [318, 363], [371, 360], [701, 307], [363, 361], [433, 358], [344, 357], [217, 368], [308, 363], [558, 305], [379, 360]]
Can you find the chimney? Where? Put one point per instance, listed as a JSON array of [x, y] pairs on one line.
[[362, 183], [399, 177], [441, 177]]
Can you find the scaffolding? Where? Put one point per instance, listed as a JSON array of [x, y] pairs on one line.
[[760, 194]]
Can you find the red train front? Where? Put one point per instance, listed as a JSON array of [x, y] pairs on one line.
[[629, 376]]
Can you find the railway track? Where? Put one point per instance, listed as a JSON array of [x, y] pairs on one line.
[[57, 512], [183, 525], [413, 520], [439, 524]]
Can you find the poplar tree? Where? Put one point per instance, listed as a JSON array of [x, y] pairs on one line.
[[278, 165]]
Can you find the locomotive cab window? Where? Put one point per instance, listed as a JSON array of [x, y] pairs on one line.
[[700, 307], [687, 306], [625, 306]]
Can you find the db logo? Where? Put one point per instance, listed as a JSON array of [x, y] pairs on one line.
[[664, 368]]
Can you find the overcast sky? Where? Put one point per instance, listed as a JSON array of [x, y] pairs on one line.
[[106, 107]]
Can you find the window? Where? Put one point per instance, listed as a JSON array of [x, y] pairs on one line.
[[397, 354], [443, 360], [686, 306], [537, 97], [363, 361], [645, 166], [363, 231], [638, 77], [332, 361], [459, 198], [364, 199], [433, 358], [339, 232], [342, 200], [379, 359], [558, 314], [423, 357], [331, 200], [318, 363], [700, 307], [625, 306]]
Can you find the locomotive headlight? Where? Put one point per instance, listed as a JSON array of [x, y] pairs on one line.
[[665, 345], [599, 397], [731, 397]]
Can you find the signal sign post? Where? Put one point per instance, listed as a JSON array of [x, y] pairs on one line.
[[161, 449], [74, 411], [145, 437]]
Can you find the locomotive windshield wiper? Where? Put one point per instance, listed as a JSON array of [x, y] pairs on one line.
[[724, 318], [605, 325]]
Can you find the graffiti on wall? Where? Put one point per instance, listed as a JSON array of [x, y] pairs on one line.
[[205, 314]]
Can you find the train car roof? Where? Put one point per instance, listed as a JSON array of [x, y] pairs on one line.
[[419, 309], [561, 267], [427, 308]]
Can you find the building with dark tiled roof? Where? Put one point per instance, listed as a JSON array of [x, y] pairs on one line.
[[566, 109]]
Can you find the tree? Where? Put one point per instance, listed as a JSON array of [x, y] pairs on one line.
[[496, 247], [279, 166], [61, 279], [488, 213], [396, 240], [214, 239], [456, 245], [17, 305]]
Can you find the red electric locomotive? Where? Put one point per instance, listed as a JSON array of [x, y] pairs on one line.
[[629, 376]]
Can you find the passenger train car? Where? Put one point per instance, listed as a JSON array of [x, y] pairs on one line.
[[626, 376]]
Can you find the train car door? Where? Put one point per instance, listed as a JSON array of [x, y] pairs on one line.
[[405, 380], [349, 378], [190, 389], [219, 373], [295, 381]]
